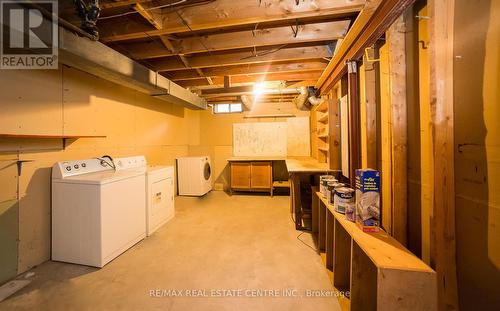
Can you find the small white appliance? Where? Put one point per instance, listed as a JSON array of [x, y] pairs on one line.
[[194, 176], [159, 190], [97, 212]]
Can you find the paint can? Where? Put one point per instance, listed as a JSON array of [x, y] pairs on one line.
[[331, 186], [323, 183], [343, 199]]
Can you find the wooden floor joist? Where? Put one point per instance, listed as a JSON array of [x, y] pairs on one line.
[[241, 58], [224, 13], [242, 39]]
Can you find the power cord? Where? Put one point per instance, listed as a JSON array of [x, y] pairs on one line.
[[111, 163], [311, 247]]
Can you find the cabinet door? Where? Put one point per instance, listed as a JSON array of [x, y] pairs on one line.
[[261, 175], [240, 175]]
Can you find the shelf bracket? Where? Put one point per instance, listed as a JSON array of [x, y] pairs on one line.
[[20, 165]]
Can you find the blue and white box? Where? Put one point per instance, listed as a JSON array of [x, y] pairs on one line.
[[368, 199]]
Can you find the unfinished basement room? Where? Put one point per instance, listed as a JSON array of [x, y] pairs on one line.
[[250, 155]]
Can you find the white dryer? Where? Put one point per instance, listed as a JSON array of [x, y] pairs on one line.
[[159, 190], [194, 176], [97, 212]]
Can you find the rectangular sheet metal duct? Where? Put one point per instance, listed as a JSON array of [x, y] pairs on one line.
[[98, 59]]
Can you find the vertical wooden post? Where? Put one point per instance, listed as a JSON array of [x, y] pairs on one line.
[[354, 127], [399, 127], [369, 103], [443, 249], [385, 165], [334, 152]]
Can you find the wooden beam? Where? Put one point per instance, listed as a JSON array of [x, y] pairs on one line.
[[322, 32], [149, 16], [265, 68], [370, 25], [240, 58], [443, 241], [254, 78], [354, 128], [395, 38], [198, 70], [385, 157], [371, 70], [227, 81], [166, 44], [226, 13]]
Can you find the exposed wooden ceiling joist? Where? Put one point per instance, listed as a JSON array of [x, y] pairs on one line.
[[312, 75], [265, 68], [152, 16], [224, 13], [240, 58], [243, 39]]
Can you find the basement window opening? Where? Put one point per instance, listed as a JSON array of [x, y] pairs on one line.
[[227, 108]]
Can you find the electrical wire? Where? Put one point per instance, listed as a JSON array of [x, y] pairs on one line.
[[112, 164], [311, 247], [145, 9]]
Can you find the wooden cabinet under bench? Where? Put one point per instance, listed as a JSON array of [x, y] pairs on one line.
[[254, 176]]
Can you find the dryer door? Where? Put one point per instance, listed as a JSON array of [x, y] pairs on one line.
[[207, 171]]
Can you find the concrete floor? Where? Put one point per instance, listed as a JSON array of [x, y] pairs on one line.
[[217, 242]]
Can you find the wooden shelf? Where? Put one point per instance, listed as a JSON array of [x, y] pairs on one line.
[[371, 266], [324, 149], [323, 118], [323, 106], [323, 136], [35, 136]]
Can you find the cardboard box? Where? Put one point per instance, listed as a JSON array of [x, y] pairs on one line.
[[368, 199]]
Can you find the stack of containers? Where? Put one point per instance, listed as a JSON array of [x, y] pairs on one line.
[[323, 184]]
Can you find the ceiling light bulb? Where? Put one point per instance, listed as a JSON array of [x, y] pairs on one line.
[[258, 88]]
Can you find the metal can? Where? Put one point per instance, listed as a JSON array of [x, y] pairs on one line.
[[323, 183], [343, 199], [331, 186]]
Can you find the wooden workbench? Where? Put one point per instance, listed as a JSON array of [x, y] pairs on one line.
[[255, 159]]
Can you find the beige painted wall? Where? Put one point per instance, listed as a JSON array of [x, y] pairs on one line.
[[477, 152], [67, 101], [216, 132]]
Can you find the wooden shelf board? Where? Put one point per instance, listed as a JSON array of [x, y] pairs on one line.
[[382, 249], [323, 106], [281, 183], [323, 136], [323, 118], [49, 136], [323, 149]]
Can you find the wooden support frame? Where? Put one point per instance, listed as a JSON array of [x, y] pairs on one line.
[[399, 127], [443, 243], [354, 123], [370, 25], [229, 13]]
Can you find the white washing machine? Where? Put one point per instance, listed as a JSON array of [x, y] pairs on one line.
[[194, 176], [97, 212], [159, 190]]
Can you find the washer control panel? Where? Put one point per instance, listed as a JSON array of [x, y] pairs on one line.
[[77, 167], [130, 162]]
